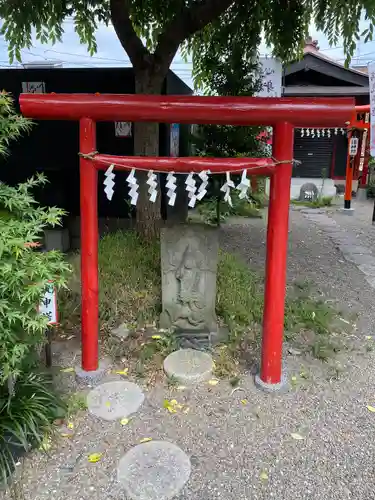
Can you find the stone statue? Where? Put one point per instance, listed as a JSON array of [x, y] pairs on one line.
[[189, 263]]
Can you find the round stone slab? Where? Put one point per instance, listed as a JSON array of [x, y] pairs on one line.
[[189, 366], [157, 470], [115, 400]]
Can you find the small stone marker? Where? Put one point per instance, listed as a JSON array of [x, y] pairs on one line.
[[189, 366], [308, 192], [115, 400], [157, 470]]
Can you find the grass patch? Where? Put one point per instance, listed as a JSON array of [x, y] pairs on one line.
[[130, 292], [75, 403], [208, 209], [129, 283], [322, 201]]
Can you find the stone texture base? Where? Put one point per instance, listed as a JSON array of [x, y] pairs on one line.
[[361, 194], [281, 386], [347, 211]]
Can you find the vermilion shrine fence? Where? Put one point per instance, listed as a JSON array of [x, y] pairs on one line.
[[283, 114]]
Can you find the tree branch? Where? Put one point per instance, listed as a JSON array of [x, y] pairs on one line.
[[132, 44], [187, 21]]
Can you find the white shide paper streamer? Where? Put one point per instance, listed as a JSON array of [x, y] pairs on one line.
[[171, 186], [202, 190], [226, 189], [133, 187], [109, 182], [191, 188], [153, 186], [243, 186]]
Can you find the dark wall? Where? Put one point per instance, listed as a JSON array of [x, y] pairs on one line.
[[53, 146]]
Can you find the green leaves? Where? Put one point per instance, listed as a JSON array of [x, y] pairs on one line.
[[24, 272], [26, 417], [283, 23]]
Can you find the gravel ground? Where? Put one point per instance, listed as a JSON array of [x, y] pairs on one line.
[[246, 451]]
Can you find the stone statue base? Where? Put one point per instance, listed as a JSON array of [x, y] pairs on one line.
[[189, 256]]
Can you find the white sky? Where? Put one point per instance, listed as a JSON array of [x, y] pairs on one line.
[[110, 52]]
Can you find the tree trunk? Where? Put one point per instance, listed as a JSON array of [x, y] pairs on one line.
[[146, 143]]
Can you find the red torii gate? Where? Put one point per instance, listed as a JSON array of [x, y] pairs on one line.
[[283, 114]]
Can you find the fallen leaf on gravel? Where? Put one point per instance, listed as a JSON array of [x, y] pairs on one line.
[[263, 475], [244, 401], [313, 315], [181, 387], [156, 337], [122, 372], [294, 378], [67, 370], [94, 457], [368, 337], [213, 382], [70, 425], [297, 436], [64, 435], [124, 421], [371, 408], [169, 406], [145, 440], [186, 410], [108, 404]]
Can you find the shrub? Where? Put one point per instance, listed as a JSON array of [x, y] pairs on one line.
[[26, 417], [24, 275], [27, 401]]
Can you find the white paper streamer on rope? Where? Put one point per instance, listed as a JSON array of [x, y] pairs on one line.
[[313, 133], [302, 132], [308, 132], [171, 186], [323, 132], [336, 130], [109, 182], [226, 189], [202, 190], [318, 132], [328, 132], [191, 188], [133, 187], [243, 186], [153, 185]]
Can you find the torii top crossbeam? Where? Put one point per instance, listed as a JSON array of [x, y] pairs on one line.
[[268, 111]]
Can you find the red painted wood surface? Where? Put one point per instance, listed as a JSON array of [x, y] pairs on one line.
[[257, 166], [277, 250], [302, 112], [89, 247]]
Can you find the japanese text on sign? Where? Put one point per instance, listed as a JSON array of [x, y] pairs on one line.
[[48, 305], [353, 147], [33, 87], [271, 74], [371, 72]]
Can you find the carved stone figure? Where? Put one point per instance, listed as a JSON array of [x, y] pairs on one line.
[[189, 265]]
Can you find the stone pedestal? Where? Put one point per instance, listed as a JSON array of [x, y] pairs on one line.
[[189, 256], [361, 194]]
